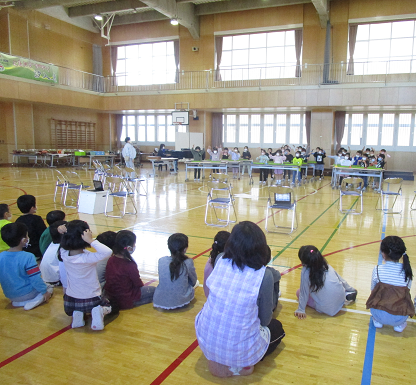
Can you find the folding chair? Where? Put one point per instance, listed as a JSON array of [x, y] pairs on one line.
[[220, 177], [60, 183], [224, 202], [117, 189], [351, 187], [391, 187], [413, 201], [74, 185], [281, 198], [137, 182]]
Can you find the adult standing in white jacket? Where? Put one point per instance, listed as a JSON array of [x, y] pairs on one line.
[[129, 153]]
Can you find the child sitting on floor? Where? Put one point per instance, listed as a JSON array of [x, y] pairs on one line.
[[390, 302], [123, 283], [177, 276], [19, 273], [217, 248], [34, 223], [5, 216], [321, 288], [83, 293], [46, 238]]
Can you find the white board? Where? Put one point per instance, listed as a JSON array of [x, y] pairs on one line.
[[188, 139]]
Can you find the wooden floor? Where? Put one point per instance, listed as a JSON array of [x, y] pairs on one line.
[[147, 346]]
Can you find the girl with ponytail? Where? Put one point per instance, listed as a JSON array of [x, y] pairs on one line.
[[321, 288], [177, 276], [390, 302], [217, 248], [123, 284]]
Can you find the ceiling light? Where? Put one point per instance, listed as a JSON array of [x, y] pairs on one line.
[[174, 22], [98, 17]]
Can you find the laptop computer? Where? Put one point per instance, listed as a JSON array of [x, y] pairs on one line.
[[283, 200], [98, 185]]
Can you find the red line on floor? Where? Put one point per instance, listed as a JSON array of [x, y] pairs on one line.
[[165, 374], [34, 346]]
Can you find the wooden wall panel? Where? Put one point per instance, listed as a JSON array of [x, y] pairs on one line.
[[4, 31], [18, 35], [156, 29], [23, 115], [372, 8]]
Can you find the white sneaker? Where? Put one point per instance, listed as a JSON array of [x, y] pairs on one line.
[[400, 328], [77, 319], [377, 325], [34, 302], [19, 304], [97, 314]]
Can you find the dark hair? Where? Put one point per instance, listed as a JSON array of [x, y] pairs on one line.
[[4, 208], [127, 139], [312, 258], [13, 233], [247, 246], [383, 150], [161, 146], [55, 215], [197, 148], [177, 243], [225, 149], [218, 246], [262, 149], [359, 152], [25, 203], [53, 231], [107, 238], [72, 239], [382, 156], [394, 248], [124, 238]]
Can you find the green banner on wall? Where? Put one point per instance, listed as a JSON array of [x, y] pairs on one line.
[[28, 69]]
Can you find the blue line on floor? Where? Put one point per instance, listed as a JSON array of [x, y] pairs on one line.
[[371, 336]]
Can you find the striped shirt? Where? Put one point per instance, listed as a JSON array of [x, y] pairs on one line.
[[391, 273]]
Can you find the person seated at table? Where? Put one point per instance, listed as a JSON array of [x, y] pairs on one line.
[[164, 153]]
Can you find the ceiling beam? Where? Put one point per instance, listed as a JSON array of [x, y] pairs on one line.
[[184, 12], [142, 17], [322, 7], [106, 7], [39, 4], [241, 5]]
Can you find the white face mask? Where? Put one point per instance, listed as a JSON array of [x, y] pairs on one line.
[[215, 151], [346, 157], [245, 150], [364, 158], [263, 153], [27, 244], [303, 153], [8, 216], [131, 250]]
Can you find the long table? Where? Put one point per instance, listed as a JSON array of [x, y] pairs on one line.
[[276, 166], [357, 171], [109, 157], [42, 157], [205, 165], [169, 162]]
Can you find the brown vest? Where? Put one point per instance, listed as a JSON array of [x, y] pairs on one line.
[[395, 300]]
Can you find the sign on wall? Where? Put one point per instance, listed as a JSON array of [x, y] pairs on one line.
[[28, 69]]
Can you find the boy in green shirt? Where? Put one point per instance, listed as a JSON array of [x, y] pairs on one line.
[[5, 216]]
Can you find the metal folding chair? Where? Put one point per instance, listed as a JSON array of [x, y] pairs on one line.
[[391, 187], [223, 202], [351, 187], [413, 201], [117, 189], [74, 185], [60, 183], [281, 198], [138, 183]]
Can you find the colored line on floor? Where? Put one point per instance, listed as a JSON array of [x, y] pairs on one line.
[[371, 335], [34, 346]]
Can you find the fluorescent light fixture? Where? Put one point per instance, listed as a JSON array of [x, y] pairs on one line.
[[98, 17], [174, 22]]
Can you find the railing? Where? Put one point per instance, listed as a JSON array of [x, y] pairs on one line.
[[254, 77]]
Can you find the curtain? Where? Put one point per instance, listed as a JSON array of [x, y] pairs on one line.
[[308, 127], [113, 54], [176, 53], [339, 128], [97, 68], [218, 50], [351, 45], [298, 49], [119, 128], [216, 138]]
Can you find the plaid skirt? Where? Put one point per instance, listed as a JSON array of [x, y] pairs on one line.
[[83, 305]]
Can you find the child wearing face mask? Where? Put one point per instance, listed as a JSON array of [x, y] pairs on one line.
[[123, 284], [289, 159], [235, 155], [215, 155], [246, 156], [197, 153], [364, 162], [297, 160], [5, 216], [319, 156], [264, 172]]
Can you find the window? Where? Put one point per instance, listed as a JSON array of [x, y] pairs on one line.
[[150, 128], [264, 129], [264, 55], [385, 48], [383, 130], [143, 64]]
